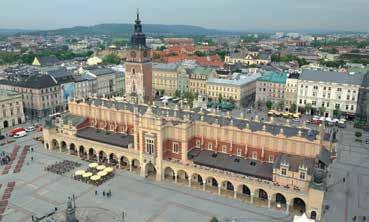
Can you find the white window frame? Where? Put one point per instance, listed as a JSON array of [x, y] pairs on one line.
[[224, 148], [175, 147]]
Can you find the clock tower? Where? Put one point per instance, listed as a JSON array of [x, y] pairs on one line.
[[138, 66]]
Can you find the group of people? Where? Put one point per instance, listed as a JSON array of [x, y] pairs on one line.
[[4, 158], [62, 167], [104, 193]]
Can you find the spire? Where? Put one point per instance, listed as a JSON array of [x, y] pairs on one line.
[[138, 38], [138, 14]]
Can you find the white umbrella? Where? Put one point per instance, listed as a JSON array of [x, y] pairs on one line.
[[79, 172], [95, 177], [87, 175], [109, 169], [93, 165], [102, 173], [100, 167]]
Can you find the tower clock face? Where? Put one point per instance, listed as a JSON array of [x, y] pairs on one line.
[[133, 54]]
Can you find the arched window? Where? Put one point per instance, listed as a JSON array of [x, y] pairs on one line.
[[133, 71]]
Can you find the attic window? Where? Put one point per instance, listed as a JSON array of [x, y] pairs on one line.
[[214, 155], [237, 160], [252, 163]]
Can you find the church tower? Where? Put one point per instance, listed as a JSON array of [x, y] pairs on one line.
[[138, 66]]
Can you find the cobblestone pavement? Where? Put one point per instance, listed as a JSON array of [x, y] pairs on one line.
[[38, 192]]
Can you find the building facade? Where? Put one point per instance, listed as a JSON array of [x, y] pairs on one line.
[[251, 58], [275, 166], [329, 90], [197, 79], [11, 105], [271, 87], [41, 94], [239, 88], [165, 79], [290, 94]]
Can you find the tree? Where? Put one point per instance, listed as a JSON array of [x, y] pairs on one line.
[[358, 134], [293, 108], [111, 59], [337, 112], [177, 93], [308, 108], [214, 219], [281, 105], [321, 111], [269, 104]]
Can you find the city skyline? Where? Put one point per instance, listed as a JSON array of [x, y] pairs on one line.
[[341, 15]]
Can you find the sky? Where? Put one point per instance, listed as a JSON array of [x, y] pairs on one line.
[[240, 15]]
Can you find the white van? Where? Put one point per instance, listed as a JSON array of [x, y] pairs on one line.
[[20, 134]]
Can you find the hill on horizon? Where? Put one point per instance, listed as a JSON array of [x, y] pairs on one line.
[[124, 29]]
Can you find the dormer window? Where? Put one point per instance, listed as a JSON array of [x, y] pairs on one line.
[[224, 149], [284, 171], [210, 146], [271, 159], [239, 152], [198, 143], [254, 155]]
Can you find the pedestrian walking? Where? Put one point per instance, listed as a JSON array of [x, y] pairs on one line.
[[95, 192], [104, 193]]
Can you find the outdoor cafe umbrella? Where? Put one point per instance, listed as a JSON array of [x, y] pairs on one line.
[[93, 165], [95, 178], [100, 167], [87, 175], [79, 172], [102, 173], [109, 169]]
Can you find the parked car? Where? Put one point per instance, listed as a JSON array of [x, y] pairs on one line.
[[2, 137], [30, 129], [20, 134], [16, 130]]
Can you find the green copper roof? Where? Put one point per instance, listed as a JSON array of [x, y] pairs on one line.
[[276, 77]]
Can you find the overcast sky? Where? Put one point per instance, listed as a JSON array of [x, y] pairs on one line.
[[342, 15]]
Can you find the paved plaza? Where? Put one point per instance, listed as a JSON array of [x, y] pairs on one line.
[[37, 192], [349, 197]]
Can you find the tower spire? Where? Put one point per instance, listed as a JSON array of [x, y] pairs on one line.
[[138, 14]]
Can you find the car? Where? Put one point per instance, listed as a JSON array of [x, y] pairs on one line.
[[2, 137], [20, 134], [30, 129], [367, 141]]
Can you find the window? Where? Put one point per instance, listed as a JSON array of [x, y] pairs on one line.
[[254, 155], [337, 106], [302, 175], [313, 103], [284, 171], [347, 107], [271, 159], [300, 101], [224, 149], [198, 143], [210, 146], [352, 107], [150, 147], [339, 89], [315, 87], [175, 148], [348, 97], [239, 151]]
